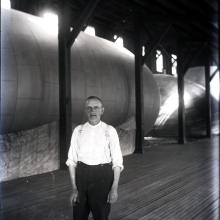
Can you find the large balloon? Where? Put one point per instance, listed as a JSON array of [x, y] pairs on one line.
[[30, 87], [195, 106]]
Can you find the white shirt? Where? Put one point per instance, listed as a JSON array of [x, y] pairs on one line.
[[95, 144]]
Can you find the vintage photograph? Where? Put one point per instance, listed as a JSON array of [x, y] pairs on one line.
[[109, 110]]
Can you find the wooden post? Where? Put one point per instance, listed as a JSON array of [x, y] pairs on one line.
[[151, 61], [138, 89], [65, 126], [167, 61], [66, 38], [207, 94], [181, 107]]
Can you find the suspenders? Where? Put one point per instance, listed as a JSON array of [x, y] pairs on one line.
[[107, 135]]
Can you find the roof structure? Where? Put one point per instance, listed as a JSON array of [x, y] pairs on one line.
[[186, 21]]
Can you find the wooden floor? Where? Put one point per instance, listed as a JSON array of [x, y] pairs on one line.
[[167, 182]]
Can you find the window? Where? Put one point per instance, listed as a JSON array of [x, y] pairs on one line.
[[119, 41], [215, 82], [5, 4], [90, 30], [174, 64], [159, 61], [50, 21], [143, 50]]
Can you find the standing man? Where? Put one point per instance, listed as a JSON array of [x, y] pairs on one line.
[[95, 162]]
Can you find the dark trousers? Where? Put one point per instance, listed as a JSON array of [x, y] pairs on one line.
[[93, 184]]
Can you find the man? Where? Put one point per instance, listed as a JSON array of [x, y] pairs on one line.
[[95, 162]]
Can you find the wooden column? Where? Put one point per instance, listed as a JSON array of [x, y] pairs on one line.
[[181, 107], [66, 38], [138, 89], [151, 61], [65, 126], [208, 104], [167, 62]]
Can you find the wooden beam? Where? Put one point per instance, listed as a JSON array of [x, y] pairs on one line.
[[208, 103], [213, 74], [155, 43], [84, 17], [214, 60], [194, 56], [65, 126], [139, 139]]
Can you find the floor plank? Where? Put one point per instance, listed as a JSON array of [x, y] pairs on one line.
[[168, 181]]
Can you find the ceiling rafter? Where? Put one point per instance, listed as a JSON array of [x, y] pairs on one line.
[[193, 21]]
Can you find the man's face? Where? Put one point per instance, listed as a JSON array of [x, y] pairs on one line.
[[94, 111]]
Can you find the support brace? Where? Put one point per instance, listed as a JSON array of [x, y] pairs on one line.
[[155, 43], [86, 14]]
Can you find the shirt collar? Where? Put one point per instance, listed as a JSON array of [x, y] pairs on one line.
[[94, 126]]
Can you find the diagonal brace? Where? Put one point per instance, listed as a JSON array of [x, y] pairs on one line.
[[86, 14], [155, 43], [195, 56]]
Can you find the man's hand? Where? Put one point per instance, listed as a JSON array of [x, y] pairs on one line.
[[113, 195], [74, 196]]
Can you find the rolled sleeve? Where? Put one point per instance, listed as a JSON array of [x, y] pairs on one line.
[[116, 154], [70, 162], [73, 150]]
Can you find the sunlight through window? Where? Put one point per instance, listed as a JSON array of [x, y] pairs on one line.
[[170, 106], [143, 50], [90, 30], [119, 42], [5, 4], [115, 37], [159, 61], [174, 64], [51, 21]]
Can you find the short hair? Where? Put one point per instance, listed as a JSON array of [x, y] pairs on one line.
[[94, 97]]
